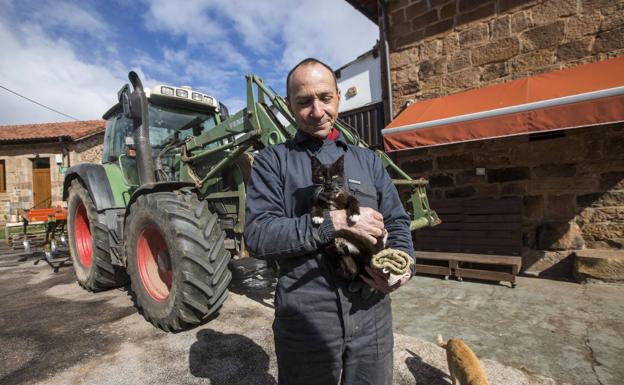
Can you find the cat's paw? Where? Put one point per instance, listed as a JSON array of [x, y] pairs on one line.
[[318, 220], [354, 218]]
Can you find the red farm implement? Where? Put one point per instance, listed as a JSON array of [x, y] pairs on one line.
[[43, 228]]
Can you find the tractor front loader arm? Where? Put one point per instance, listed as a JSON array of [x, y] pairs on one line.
[[259, 125]]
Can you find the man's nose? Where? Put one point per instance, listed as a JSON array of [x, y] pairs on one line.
[[317, 109]]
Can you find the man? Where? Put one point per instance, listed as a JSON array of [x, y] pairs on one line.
[[327, 330]]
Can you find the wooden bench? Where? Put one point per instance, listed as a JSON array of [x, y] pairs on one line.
[[454, 265], [478, 238]]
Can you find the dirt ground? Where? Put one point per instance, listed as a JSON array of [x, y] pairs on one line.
[[53, 332]]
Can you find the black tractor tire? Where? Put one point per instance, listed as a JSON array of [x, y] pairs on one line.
[[177, 261], [88, 243]]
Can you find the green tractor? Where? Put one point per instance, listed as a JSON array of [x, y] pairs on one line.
[[166, 208]]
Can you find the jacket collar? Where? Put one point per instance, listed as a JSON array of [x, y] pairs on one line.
[[315, 143]]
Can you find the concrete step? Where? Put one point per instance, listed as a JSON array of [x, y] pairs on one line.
[[599, 265]]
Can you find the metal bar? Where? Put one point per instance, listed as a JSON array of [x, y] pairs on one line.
[[223, 194], [277, 100], [245, 138], [223, 163]]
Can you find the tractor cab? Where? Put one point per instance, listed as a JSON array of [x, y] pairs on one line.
[[175, 114]]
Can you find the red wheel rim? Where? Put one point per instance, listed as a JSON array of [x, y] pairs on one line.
[[154, 264], [82, 235]]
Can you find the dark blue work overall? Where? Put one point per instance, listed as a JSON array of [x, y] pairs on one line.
[[324, 332]]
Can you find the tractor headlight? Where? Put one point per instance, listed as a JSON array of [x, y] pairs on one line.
[[209, 100], [166, 91], [182, 93], [197, 97]]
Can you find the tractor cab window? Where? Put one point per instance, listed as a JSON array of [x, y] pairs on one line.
[[119, 131], [169, 124]]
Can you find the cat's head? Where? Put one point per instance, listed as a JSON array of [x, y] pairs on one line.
[[330, 177]]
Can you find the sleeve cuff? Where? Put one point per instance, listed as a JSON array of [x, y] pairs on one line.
[[413, 268], [326, 229]]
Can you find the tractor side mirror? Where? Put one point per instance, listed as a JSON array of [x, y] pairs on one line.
[[131, 101], [124, 99]]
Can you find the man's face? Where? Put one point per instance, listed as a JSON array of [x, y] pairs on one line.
[[313, 99]]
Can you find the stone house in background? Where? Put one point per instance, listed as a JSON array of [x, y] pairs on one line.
[[570, 181], [34, 157]]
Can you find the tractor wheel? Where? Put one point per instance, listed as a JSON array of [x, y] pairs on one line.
[[177, 259], [88, 243]]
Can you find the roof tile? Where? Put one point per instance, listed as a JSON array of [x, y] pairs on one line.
[[61, 130]]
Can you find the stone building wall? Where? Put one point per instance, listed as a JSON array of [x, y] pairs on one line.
[[18, 169], [440, 47], [88, 150], [572, 185]]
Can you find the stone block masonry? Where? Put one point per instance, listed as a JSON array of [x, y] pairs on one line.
[[572, 186], [18, 168], [447, 46]]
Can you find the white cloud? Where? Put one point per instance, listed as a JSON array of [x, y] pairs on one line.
[[234, 104], [190, 20], [53, 47], [49, 72], [329, 30], [287, 31], [72, 18]]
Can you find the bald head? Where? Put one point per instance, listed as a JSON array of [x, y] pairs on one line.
[[309, 62], [313, 97]]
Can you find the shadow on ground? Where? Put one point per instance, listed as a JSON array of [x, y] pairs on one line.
[[229, 359], [36, 336], [423, 372]]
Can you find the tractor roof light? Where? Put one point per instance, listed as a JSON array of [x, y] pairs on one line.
[[183, 92]]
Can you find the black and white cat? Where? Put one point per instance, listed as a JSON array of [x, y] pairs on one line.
[[352, 252]]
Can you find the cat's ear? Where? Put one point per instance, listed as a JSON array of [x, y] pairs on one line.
[[315, 162], [338, 166], [317, 171]]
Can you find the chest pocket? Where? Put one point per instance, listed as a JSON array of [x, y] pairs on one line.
[[365, 194]]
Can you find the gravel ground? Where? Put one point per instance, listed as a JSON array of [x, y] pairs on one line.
[[52, 332]]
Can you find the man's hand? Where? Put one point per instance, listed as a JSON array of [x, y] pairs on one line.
[[370, 225], [379, 280]]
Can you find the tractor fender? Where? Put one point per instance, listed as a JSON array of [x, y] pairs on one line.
[[93, 177], [149, 188]]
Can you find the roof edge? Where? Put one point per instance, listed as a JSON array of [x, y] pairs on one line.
[[355, 4]]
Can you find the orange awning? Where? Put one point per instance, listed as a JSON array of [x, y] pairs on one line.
[[584, 95]]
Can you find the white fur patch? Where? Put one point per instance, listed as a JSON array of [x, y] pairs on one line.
[[318, 220], [352, 249], [354, 218]]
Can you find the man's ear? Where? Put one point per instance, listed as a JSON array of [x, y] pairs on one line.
[[288, 105]]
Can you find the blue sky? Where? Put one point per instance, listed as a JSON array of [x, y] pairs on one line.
[[73, 56]]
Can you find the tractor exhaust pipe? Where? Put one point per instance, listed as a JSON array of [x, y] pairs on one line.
[[135, 107]]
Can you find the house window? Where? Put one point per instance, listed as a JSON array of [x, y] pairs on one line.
[[2, 176]]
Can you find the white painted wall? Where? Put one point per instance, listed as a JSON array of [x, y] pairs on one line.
[[365, 74]]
